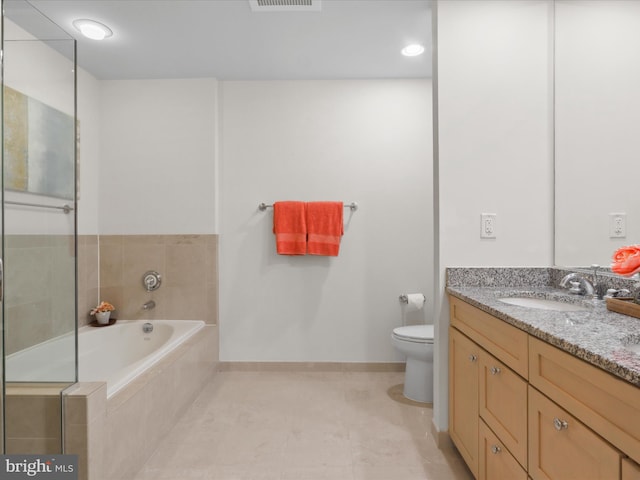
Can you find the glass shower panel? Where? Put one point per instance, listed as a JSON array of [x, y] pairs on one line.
[[39, 231]]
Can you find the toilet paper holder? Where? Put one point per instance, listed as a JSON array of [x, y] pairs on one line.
[[404, 298]]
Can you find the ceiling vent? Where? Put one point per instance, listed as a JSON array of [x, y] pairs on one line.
[[285, 5]]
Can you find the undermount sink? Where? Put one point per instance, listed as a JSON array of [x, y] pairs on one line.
[[544, 304]]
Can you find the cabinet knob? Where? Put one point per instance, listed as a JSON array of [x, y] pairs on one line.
[[495, 449], [495, 370], [473, 357], [560, 424]]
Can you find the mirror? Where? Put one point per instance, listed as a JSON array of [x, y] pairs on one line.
[[597, 145]]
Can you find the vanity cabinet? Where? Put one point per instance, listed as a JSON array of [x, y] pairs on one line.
[[502, 394], [487, 358], [502, 340], [536, 410], [605, 403], [561, 447], [463, 397], [495, 459], [630, 470]]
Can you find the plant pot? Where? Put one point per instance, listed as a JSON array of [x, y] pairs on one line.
[[103, 317]]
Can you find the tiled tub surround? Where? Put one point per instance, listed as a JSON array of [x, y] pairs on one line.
[[40, 289], [114, 437], [188, 265], [596, 335], [40, 280], [33, 418], [88, 277]]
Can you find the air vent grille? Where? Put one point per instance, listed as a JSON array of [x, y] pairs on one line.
[[285, 5]]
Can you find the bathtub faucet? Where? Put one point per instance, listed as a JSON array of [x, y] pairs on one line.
[[149, 305]]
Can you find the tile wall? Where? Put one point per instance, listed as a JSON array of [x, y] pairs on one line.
[[188, 265], [40, 270], [88, 276], [40, 275], [33, 418]]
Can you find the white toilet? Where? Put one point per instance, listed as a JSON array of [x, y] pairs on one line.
[[416, 342]]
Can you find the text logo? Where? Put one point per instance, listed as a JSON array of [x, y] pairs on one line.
[[50, 467]]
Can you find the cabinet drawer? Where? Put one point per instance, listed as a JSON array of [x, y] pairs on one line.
[[562, 448], [605, 403], [630, 470], [503, 404], [496, 463], [463, 397], [504, 341]]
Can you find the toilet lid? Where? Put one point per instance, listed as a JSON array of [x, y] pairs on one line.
[[422, 333]]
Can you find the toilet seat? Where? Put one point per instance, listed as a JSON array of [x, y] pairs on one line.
[[414, 333]]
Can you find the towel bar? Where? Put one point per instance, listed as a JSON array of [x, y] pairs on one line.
[[353, 206], [65, 208]]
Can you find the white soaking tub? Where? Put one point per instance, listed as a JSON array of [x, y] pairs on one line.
[[115, 354]]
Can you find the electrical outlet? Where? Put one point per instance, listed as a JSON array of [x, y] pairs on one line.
[[488, 225], [617, 225]]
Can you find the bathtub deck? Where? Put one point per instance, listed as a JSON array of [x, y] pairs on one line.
[[303, 426]]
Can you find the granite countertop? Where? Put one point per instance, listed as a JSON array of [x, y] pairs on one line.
[[595, 335]]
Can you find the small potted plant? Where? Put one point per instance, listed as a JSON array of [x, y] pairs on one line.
[[103, 312]]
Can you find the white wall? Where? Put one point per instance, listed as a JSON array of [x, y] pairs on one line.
[[40, 72], [89, 109], [158, 157], [365, 141], [495, 143], [597, 141]]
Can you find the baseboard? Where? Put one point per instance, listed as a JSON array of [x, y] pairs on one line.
[[442, 438], [311, 367]]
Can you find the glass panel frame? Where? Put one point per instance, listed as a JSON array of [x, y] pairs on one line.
[[39, 236]]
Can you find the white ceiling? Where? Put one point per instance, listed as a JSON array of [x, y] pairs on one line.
[[226, 40]]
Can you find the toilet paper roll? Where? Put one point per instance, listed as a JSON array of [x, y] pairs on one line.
[[415, 301]]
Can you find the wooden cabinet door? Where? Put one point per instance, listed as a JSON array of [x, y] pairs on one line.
[[495, 462], [505, 342], [630, 470], [605, 403], [562, 448], [463, 397], [503, 404]]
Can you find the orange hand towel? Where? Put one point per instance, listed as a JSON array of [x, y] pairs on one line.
[[324, 228], [289, 226]]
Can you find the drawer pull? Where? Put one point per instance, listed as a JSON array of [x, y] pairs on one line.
[[560, 424], [473, 357], [495, 370], [495, 449]]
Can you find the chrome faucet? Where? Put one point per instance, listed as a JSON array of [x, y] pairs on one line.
[[149, 305], [577, 284]]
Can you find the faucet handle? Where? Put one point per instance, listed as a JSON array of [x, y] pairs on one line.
[[576, 288]]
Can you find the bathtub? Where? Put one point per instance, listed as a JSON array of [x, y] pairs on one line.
[[115, 354], [119, 353], [124, 374]]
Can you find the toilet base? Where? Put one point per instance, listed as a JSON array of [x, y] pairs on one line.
[[418, 381]]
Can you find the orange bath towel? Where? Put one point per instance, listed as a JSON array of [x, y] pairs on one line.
[[324, 228], [289, 226]]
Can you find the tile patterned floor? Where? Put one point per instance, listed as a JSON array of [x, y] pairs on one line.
[[303, 426]]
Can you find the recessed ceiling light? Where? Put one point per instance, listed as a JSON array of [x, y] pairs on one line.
[[92, 29], [412, 50]]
